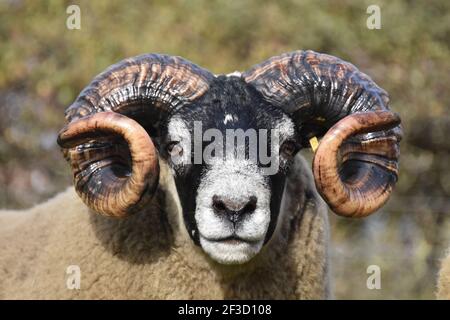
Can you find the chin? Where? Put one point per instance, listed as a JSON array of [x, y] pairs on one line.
[[231, 252]]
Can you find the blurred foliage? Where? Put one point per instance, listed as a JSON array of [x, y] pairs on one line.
[[43, 66]]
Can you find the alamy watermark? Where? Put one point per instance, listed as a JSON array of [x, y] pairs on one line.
[[374, 280], [374, 20], [73, 21], [257, 146], [73, 281]]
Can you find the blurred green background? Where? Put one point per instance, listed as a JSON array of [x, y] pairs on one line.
[[44, 65]]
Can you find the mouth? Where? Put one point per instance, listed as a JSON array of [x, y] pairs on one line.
[[231, 250], [232, 240]]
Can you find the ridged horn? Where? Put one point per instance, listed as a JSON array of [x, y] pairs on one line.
[[107, 185], [329, 97], [107, 139]]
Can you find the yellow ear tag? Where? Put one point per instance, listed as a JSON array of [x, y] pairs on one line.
[[314, 143]]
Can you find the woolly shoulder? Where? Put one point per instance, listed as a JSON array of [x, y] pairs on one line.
[[25, 237]]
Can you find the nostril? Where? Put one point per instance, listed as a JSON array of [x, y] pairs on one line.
[[250, 207], [218, 205], [222, 206]]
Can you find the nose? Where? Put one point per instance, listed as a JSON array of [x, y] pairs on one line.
[[234, 210]]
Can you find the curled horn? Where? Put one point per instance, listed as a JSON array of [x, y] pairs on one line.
[[356, 164], [107, 137]]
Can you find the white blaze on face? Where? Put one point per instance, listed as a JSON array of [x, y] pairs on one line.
[[229, 118], [236, 180]]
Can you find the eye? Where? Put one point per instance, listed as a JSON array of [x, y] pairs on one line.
[[289, 149], [174, 149]]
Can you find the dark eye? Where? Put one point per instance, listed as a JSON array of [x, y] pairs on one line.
[[288, 149], [174, 149]]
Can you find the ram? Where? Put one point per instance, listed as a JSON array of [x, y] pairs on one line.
[[157, 212]]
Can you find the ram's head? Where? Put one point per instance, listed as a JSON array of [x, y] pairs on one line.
[[230, 141]]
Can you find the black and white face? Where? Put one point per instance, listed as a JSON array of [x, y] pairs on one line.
[[230, 153]]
